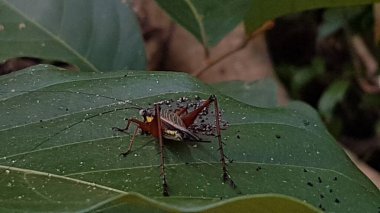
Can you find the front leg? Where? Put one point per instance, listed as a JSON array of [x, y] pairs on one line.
[[130, 143], [123, 129], [138, 123]]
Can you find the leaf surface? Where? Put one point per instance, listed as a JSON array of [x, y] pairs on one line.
[[262, 93], [63, 127], [37, 191]]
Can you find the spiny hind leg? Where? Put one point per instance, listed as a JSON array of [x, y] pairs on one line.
[[225, 176]]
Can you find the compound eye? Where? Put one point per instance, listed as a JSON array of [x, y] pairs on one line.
[[142, 112]]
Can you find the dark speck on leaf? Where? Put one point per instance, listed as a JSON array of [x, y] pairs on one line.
[[40, 121], [337, 200], [322, 196], [330, 190], [258, 168], [67, 109], [319, 180], [310, 184], [304, 170], [335, 179], [238, 136], [278, 136]]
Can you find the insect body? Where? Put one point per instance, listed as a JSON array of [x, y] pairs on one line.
[[166, 124]]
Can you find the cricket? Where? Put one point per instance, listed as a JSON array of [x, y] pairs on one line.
[[176, 125]]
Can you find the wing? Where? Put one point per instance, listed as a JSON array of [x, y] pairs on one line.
[[173, 122]]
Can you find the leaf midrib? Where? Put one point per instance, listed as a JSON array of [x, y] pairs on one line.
[[198, 18], [215, 163], [35, 172]]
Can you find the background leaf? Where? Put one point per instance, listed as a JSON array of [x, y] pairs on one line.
[[332, 96], [93, 35], [209, 21], [262, 11], [64, 128], [338, 18]]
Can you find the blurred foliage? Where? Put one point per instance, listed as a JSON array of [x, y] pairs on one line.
[[328, 79]]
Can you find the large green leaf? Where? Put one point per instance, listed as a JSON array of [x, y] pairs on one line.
[[93, 35], [60, 123]]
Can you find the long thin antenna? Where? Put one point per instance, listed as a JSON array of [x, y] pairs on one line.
[[21, 155], [136, 106]]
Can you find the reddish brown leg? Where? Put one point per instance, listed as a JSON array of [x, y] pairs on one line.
[[127, 127], [226, 177], [135, 121], [130, 143], [165, 187]]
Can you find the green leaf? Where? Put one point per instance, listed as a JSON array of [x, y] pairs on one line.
[[337, 18], [92, 35], [331, 97], [60, 123], [258, 203], [209, 21], [261, 93], [262, 11], [305, 109], [30, 190]]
